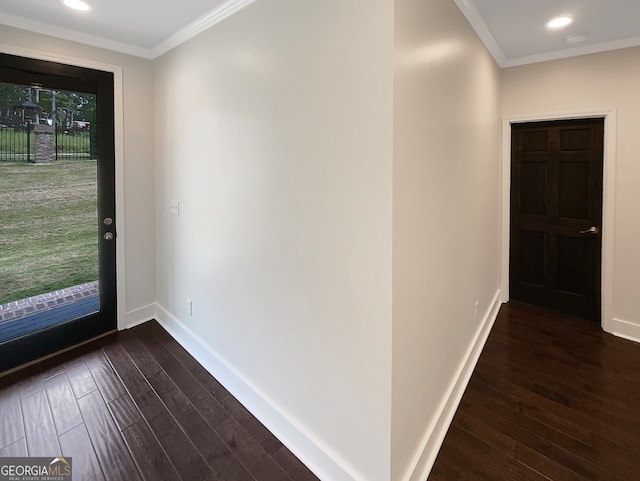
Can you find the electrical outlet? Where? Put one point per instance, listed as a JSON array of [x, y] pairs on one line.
[[190, 307], [475, 310]]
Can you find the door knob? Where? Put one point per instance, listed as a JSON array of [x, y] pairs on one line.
[[108, 236], [591, 230]]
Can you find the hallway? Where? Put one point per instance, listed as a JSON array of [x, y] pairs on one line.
[[551, 398]]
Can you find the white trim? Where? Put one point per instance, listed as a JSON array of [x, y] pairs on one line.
[[470, 11], [425, 456], [140, 316], [73, 35], [118, 99], [230, 7], [505, 200], [625, 329], [608, 198], [320, 458], [202, 23], [573, 52], [199, 25]]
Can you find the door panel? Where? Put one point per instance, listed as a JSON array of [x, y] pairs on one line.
[[573, 262], [533, 200], [532, 255], [60, 328], [574, 190], [556, 197]]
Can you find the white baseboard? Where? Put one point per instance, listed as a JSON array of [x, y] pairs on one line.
[[434, 437], [624, 329], [318, 457], [138, 316], [321, 459]]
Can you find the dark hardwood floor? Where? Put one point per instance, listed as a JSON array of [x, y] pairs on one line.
[[551, 398], [136, 406]]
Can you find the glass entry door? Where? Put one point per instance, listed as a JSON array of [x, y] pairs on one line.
[[57, 208]]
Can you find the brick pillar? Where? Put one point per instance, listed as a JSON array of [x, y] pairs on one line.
[[43, 143]]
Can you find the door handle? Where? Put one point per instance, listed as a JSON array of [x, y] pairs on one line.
[[591, 230]]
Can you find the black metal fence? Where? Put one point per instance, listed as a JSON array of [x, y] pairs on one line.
[[74, 144], [17, 143]]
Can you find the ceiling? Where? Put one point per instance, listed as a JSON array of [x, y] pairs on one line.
[[144, 28], [513, 30]]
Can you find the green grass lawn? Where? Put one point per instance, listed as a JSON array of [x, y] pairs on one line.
[[48, 227]]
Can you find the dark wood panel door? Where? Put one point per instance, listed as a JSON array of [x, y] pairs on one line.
[[556, 215]]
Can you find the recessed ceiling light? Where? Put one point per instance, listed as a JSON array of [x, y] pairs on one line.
[[559, 22], [77, 5]]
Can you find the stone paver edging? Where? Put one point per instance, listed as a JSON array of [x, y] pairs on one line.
[[44, 302]]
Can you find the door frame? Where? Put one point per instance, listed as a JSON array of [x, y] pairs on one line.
[[608, 198], [118, 125]]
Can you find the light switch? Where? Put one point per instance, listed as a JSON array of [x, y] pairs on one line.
[[174, 207]]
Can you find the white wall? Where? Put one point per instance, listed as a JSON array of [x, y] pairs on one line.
[[446, 221], [135, 177], [274, 132], [308, 205], [338, 174], [599, 82]]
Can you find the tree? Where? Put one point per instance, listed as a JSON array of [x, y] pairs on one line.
[[11, 95], [80, 105]]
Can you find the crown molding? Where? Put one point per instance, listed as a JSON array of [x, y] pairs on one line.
[[573, 52], [199, 25], [470, 11], [42, 28], [207, 20], [228, 8], [472, 15]]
